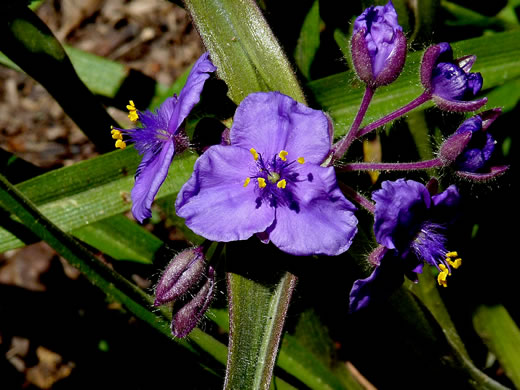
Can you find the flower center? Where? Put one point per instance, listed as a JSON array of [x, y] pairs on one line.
[[272, 176], [429, 245]]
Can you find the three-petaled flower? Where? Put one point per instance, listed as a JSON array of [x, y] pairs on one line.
[[269, 181], [449, 80], [409, 225], [161, 137]]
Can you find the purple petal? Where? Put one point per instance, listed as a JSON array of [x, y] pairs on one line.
[[400, 209], [320, 221], [214, 201], [448, 198], [383, 280], [271, 122], [190, 94], [449, 81], [150, 175]]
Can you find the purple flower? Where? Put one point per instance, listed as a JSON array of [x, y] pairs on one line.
[[470, 148], [378, 45], [269, 181], [409, 225], [449, 80], [160, 137]]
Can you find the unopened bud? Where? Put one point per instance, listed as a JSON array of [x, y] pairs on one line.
[[183, 272], [378, 46], [189, 315]]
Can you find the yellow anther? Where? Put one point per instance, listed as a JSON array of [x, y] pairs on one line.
[[261, 182], [452, 254], [132, 111], [281, 184], [443, 275], [301, 160], [454, 263], [116, 134], [120, 144], [283, 154], [254, 153], [246, 182]]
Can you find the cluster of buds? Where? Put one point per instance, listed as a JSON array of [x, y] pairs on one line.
[[189, 283]]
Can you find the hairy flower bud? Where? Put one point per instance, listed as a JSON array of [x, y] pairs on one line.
[[378, 45], [449, 80], [189, 315], [180, 275]]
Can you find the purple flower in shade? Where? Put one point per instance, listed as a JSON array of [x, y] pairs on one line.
[[160, 137], [269, 181], [409, 225], [449, 80], [470, 148], [378, 45]]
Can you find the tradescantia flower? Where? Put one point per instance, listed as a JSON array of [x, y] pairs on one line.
[[449, 80], [269, 181], [409, 225], [378, 45], [161, 137]]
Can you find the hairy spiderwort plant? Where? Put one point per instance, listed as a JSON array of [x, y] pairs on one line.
[[161, 137], [274, 177]]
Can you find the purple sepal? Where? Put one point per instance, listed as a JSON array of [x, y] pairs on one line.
[[453, 147], [493, 173], [189, 315], [180, 275], [459, 105], [378, 45]]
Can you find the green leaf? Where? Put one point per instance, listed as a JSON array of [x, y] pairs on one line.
[[257, 315], [114, 285], [502, 336], [426, 290], [90, 191], [243, 48], [29, 43], [309, 40], [120, 238], [498, 59]]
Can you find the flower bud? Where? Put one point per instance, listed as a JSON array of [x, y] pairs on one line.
[[378, 45], [453, 147], [183, 272], [449, 80], [189, 315]]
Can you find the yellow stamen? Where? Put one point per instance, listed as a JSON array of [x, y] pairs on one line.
[[254, 153], [283, 154], [261, 182], [281, 184], [443, 275], [246, 182], [452, 254], [116, 134], [120, 144], [132, 111], [301, 160], [454, 263]]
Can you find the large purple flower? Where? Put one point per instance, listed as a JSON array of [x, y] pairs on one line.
[[449, 80], [409, 225], [269, 181], [378, 45], [160, 137]]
